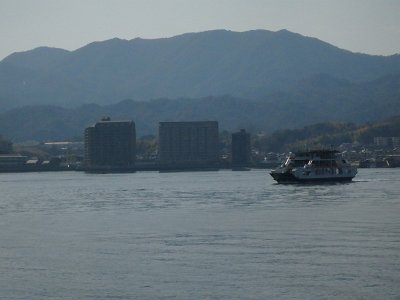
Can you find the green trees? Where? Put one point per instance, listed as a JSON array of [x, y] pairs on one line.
[[328, 134]]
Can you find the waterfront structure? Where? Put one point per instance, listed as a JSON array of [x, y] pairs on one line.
[[188, 144], [12, 160], [21, 163], [110, 146], [241, 149]]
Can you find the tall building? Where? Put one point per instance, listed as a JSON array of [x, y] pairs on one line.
[[382, 141], [188, 144], [110, 145], [5, 146], [393, 141], [241, 149]]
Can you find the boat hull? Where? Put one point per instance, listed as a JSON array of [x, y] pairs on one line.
[[290, 178]]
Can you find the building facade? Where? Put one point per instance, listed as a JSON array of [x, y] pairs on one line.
[[5, 146], [110, 145], [188, 144], [393, 141], [241, 149]]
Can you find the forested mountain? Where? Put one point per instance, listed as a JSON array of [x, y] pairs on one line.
[[315, 100], [249, 65]]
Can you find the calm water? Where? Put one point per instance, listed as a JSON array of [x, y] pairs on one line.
[[204, 235]]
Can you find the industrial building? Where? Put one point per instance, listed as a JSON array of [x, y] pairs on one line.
[[188, 144], [110, 146]]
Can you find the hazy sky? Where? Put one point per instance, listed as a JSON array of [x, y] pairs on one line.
[[369, 26]]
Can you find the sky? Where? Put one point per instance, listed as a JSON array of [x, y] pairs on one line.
[[367, 26]]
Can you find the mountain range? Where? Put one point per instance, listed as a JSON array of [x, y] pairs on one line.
[[316, 100], [242, 64], [259, 80]]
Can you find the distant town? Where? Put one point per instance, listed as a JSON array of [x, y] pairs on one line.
[[112, 146]]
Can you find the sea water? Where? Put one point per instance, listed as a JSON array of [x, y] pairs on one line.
[[198, 235]]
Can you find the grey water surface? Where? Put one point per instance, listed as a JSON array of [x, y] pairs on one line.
[[198, 235]]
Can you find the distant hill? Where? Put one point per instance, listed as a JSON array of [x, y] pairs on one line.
[[249, 65], [323, 98], [314, 100], [329, 134], [39, 59]]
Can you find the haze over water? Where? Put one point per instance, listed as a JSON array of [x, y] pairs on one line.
[[215, 235]]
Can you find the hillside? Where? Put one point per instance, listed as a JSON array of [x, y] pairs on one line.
[[316, 100], [246, 65], [329, 134]]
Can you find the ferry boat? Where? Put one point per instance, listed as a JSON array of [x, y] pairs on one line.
[[314, 166]]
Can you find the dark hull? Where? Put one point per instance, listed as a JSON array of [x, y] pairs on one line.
[[34, 168], [290, 178]]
